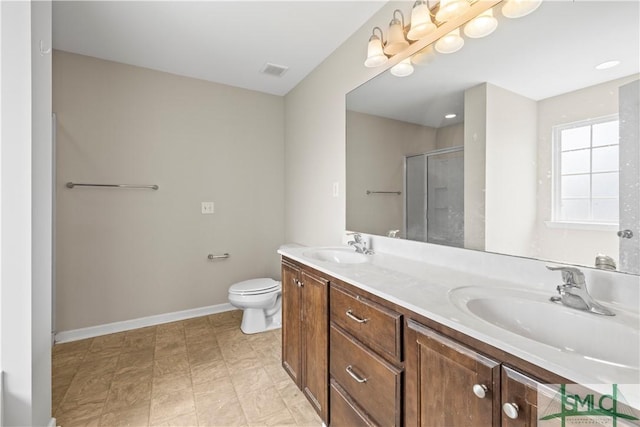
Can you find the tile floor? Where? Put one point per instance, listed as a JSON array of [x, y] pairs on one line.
[[197, 372]]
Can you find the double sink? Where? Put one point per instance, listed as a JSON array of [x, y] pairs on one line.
[[613, 341]]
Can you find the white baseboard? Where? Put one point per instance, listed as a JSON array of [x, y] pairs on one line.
[[110, 328]]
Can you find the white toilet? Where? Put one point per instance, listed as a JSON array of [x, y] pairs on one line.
[[261, 300]]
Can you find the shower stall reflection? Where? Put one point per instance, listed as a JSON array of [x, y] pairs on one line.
[[434, 197]]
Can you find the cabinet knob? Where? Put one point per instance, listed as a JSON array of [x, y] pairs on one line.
[[480, 390], [510, 410]]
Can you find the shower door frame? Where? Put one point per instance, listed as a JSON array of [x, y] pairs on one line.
[[404, 184]]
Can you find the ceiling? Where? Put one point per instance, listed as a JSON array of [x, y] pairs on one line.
[[226, 42], [552, 51]]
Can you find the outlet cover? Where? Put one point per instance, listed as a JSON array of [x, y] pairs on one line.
[[207, 208]]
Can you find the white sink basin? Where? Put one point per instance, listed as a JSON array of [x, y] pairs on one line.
[[609, 340], [337, 255]]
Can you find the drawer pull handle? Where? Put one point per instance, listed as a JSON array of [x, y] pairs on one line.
[[355, 376], [350, 315], [480, 390], [511, 410]]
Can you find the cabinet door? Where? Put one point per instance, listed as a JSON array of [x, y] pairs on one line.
[[520, 392], [440, 379], [291, 318], [315, 321]]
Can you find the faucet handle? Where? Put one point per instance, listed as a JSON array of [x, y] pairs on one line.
[[570, 275], [356, 236]]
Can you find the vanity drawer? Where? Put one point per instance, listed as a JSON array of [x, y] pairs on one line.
[[373, 383], [375, 325], [344, 413]]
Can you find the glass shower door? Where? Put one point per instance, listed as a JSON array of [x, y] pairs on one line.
[[435, 197], [415, 197]]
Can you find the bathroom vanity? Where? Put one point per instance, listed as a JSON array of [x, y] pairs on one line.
[[437, 335], [385, 340]]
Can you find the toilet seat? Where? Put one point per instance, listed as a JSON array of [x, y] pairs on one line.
[[255, 287]]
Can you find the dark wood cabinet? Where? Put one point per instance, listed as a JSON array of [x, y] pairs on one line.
[[305, 343], [291, 321], [315, 342], [360, 363], [344, 411], [375, 325], [447, 383], [520, 399], [367, 378], [365, 360]]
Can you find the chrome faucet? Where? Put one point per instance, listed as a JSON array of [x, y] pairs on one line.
[[359, 244], [573, 292], [393, 233]]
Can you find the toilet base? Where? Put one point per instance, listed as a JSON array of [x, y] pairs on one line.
[[254, 321]]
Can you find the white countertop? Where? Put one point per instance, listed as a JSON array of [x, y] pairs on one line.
[[424, 288]]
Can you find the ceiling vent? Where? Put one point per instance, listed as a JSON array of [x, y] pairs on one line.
[[274, 69]]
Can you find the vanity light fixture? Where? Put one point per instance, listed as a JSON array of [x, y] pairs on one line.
[[450, 43], [451, 9], [520, 8], [396, 42], [608, 64], [450, 116], [402, 68], [421, 22], [375, 52], [482, 25]]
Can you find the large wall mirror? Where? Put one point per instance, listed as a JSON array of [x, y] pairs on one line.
[[525, 142]]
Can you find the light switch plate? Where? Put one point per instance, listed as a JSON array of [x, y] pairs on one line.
[[207, 208]]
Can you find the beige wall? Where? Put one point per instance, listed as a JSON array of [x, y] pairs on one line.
[[124, 254], [375, 155], [315, 140], [450, 136]]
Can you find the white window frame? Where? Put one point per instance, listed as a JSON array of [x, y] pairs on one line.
[[556, 175]]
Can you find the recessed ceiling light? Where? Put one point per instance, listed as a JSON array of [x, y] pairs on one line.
[[450, 116], [606, 65]]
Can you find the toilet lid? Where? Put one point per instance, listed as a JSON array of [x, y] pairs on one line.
[[254, 286]]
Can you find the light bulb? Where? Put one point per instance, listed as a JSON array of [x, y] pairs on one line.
[[421, 23], [520, 8], [451, 9], [402, 68], [375, 54], [450, 43], [482, 25], [396, 42]]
